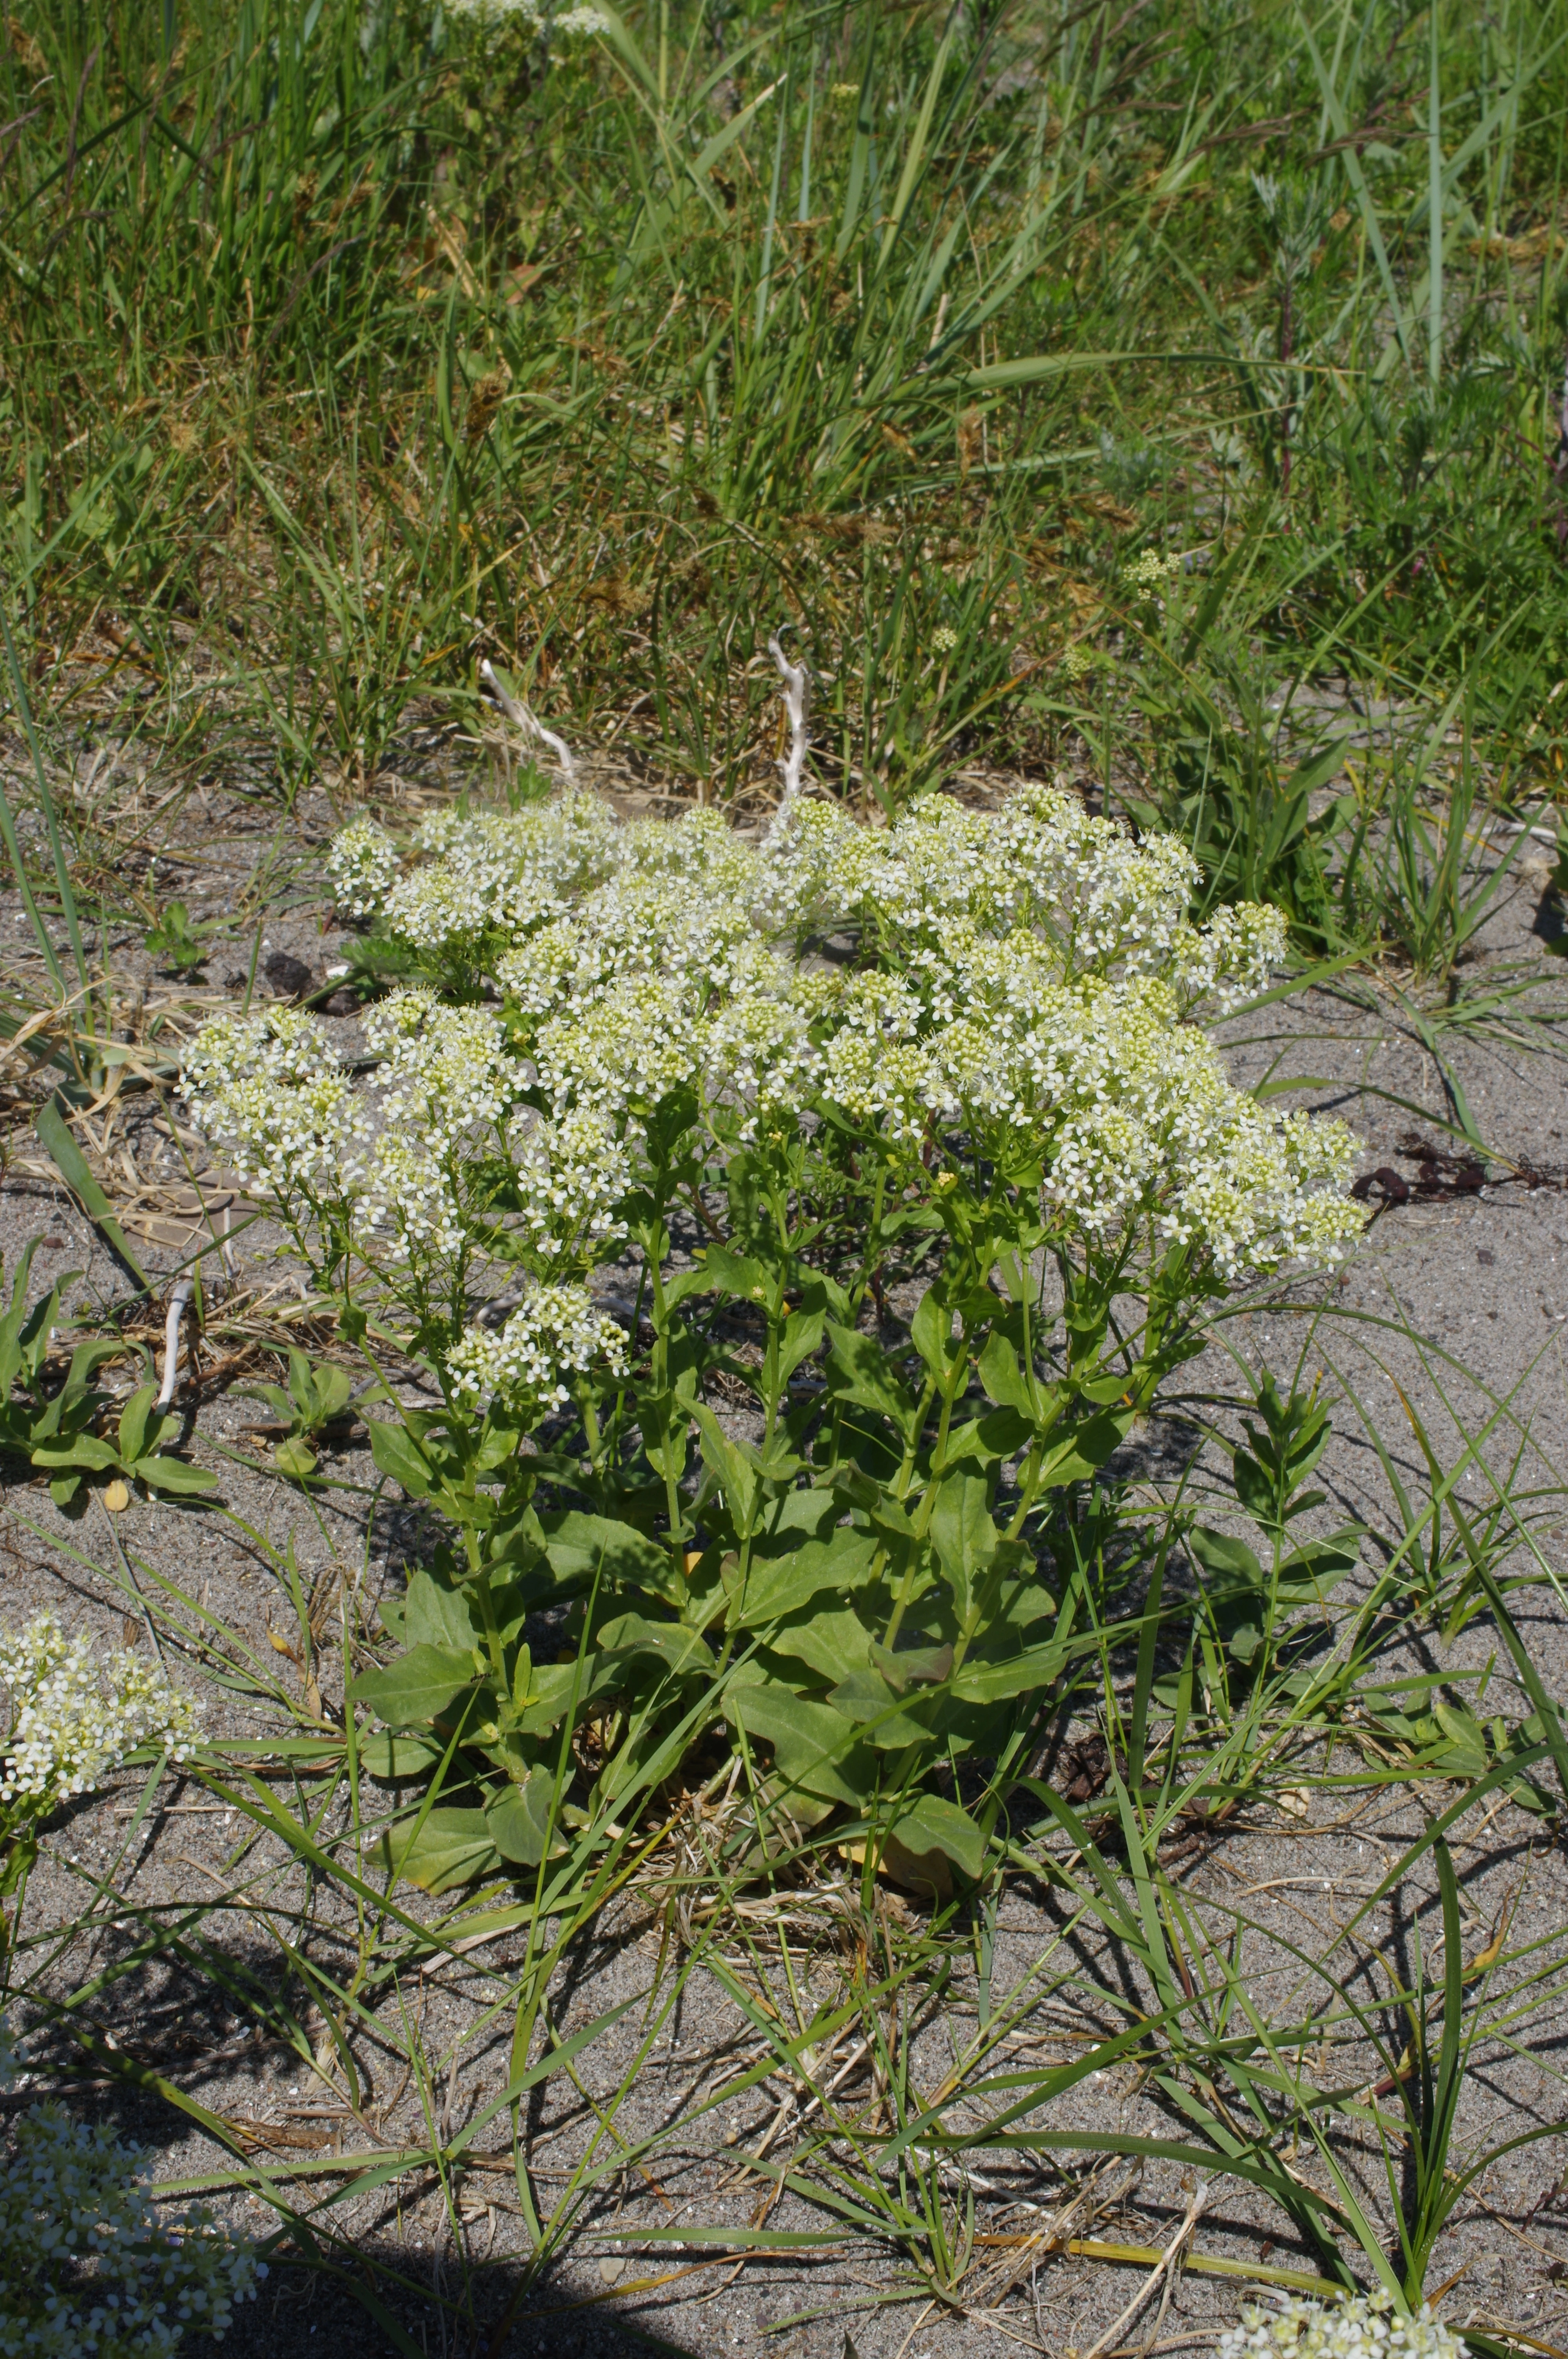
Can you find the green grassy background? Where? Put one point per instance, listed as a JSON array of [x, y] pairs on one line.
[[346, 344]]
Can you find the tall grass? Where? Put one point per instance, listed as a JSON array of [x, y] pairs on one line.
[[345, 347]]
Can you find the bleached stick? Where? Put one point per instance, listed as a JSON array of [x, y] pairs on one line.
[[797, 704], [530, 725], [179, 1303]]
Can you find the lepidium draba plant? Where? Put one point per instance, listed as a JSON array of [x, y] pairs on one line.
[[70, 1718], [89, 2269], [764, 1083]]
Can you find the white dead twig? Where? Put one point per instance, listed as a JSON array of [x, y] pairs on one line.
[[179, 1301], [528, 723], [797, 704], [1162, 2273]]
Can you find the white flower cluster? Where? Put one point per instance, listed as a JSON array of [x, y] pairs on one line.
[[74, 1721], [364, 865], [496, 878], [1149, 572], [270, 1089], [1364, 2327], [1025, 974], [553, 1333], [88, 2269], [534, 16]]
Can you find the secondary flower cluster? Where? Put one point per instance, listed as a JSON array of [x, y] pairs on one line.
[[554, 1332], [73, 1720], [1365, 2327], [88, 2270], [269, 1088]]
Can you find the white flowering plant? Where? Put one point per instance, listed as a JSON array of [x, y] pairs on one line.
[[89, 2269], [637, 1167], [70, 1718]]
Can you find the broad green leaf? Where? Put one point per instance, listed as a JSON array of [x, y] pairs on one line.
[[782, 1586], [552, 1685], [294, 1456], [396, 1453], [931, 1330], [736, 1274], [138, 1424], [681, 1648], [583, 1547], [451, 1848], [420, 1687], [731, 1466], [1310, 1574], [1018, 1675], [866, 1697], [813, 1746], [801, 1337], [161, 1473], [436, 1612], [12, 1324], [934, 1824], [859, 1370], [1085, 1450], [85, 1449], [834, 1643], [518, 1818], [1229, 1560], [963, 1534], [391, 1757], [1005, 1380]]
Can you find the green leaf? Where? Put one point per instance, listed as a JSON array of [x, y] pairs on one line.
[[393, 1757], [736, 1274], [859, 1370], [162, 1472], [451, 1848], [834, 1643], [677, 1646], [1226, 1558], [779, 1586], [437, 1612], [1017, 1675], [1310, 1574], [139, 1426], [964, 1536], [11, 1325], [801, 1337], [1086, 1450], [931, 1330], [1003, 1376], [582, 1548], [396, 1453], [866, 1697], [518, 1818], [813, 1746], [84, 1450], [934, 1824], [731, 1465], [293, 1457], [420, 1687], [55, 1131]]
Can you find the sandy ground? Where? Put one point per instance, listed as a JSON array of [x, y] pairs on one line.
[[1452, 1313]]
